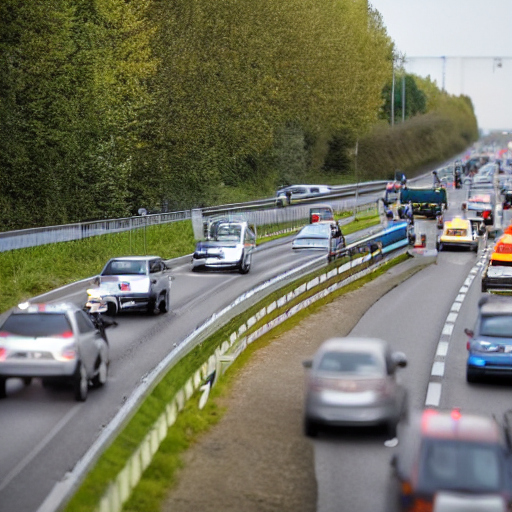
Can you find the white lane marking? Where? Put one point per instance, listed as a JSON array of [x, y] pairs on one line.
[[434, 388], [442, 349], [433, 394], [447, 329], [437, 369], [452, 318], [32, 455]]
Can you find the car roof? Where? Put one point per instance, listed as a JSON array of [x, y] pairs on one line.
[[45, 307], [352, 343], [456, 425], [457, 222], [135, 258]]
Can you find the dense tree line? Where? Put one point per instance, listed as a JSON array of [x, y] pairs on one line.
[[110, 105]]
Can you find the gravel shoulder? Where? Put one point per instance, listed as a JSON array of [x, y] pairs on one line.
[[256, 459]]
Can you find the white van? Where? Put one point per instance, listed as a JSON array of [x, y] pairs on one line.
[[286, 195]]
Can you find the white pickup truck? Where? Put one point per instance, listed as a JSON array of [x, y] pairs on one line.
[[134, 283]]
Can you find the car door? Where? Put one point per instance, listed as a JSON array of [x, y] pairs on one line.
[[159, 281], [89, 341]]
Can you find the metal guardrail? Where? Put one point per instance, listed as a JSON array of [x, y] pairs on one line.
[[10, 240], [32, 237]]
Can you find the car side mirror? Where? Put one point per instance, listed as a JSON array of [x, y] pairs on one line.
[[469, 332], [308, 363], [96, 281], [399, 359]]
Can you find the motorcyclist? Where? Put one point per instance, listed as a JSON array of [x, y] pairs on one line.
[[96, 307], [437, 181]]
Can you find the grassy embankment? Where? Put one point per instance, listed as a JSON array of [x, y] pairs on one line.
[[26, 273]]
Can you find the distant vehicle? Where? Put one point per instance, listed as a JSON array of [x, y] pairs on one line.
[[392, 192], [497, 275], [324, 236], [228, 244], [480, 204], [451, 454], [320, 213], [353, 382], [458, 232], [490, 343], [427, 201], [131, 283], [287, 195], [56, 342]]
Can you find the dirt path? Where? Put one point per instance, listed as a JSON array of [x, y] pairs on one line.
[[256, 459]]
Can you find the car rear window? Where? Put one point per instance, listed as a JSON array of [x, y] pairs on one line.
[[496, 326], [459, 465], [36, 324], [123, 268], [350, 362]]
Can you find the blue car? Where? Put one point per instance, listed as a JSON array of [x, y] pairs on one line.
[[490, 344]]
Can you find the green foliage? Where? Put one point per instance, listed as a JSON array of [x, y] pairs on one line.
[[108, 106], [26, 273]]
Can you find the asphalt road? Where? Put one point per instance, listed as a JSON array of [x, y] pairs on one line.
[[352, 466], [44, 433]]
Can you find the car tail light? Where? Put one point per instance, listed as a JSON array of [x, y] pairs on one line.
[[486, 214], [315, 218], [420, 505], [3, 353], [68, 353], [468, 345], [65, 334]]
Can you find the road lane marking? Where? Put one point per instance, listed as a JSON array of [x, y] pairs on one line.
[[434, 388]]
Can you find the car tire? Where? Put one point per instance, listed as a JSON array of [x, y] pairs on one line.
[[310, 428], [3, 388], [80, 383], [111, 309], [100, 379], [163, 306], [472, 375], [245, 264], [151, 308]]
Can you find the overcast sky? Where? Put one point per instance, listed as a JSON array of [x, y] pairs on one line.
[[475, 36]]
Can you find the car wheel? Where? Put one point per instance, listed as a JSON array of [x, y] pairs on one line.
[[3, 388], [111, 309], [80, 383], [100, 378], [310, 428], [245, 264], [151, 309], [472, 375], [163, 306]]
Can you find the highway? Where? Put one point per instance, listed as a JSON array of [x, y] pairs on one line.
[[353, 466], [44, 433]]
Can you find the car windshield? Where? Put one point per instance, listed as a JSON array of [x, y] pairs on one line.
[[124, 267], [229, 232], [498, 326], [351, 362], [460, 465], [315, 231], [36, 324]]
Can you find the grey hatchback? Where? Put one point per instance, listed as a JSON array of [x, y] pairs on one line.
[[352, 382], [56, 342]]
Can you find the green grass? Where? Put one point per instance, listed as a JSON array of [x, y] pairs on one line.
[[192, 423], [26, 273]]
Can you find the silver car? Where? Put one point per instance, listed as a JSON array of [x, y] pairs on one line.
[[353, 382], [57, 342], [228, 245]]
